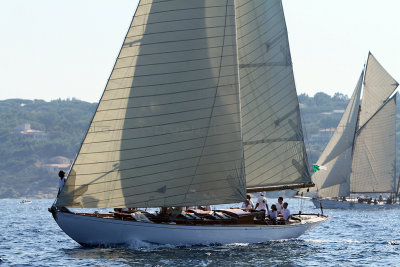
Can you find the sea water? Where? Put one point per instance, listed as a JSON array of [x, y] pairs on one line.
[[30, 237]]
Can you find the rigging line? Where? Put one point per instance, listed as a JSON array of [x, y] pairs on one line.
[[212, 109]]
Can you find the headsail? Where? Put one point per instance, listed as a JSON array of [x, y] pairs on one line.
[[337, 154], [167, 129], [273, 140], [378, 86], [374, 158]]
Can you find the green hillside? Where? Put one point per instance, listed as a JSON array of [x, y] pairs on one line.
[[56, 129], [37, 138]]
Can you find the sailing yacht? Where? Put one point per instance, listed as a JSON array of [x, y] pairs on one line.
[[200, 109], [360, 158]]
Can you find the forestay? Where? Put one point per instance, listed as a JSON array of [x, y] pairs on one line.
[[167, 128], [374, 159], [272, 133]]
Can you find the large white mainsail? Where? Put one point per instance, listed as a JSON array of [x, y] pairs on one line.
[[167, 129], [374, 158], [174, 129], [272, 133]]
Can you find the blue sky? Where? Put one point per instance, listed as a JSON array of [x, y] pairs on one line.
[[66, 48]]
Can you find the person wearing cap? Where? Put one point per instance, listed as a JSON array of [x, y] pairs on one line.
[[61, 183], [262, 203]]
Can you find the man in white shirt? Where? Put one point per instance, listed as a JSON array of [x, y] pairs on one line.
[[273, 214], [246, 205], [262, 203], [285, 212], [279, 205]]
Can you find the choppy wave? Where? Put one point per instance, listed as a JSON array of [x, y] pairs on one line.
[[29, 236]]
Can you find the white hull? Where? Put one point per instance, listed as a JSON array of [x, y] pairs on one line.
[[335, 204], [94, 231]]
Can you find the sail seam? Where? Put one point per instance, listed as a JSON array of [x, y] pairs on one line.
[[162, 104], [165, 171], [162, 144], [129, 43]]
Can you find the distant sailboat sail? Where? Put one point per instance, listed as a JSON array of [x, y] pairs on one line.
[[374, 157], [378, 86], [362, 159], [337, 154]]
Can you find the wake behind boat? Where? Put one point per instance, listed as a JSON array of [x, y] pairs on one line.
[[200, 108]]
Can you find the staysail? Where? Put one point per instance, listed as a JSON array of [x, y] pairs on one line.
[[167, 128], [273, 140], [374, 159], [338, 152]]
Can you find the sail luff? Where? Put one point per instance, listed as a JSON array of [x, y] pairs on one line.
[[167, 129]]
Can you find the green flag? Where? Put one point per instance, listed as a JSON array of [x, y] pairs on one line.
[[315, 168], [318, 168]]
